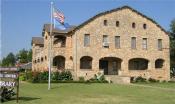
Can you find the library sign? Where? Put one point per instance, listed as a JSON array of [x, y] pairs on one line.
[[10, 78]]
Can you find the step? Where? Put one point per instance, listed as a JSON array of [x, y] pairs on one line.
[[118, 79]]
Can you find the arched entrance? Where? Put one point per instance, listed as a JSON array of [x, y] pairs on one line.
[[110, 65], [59, 62]]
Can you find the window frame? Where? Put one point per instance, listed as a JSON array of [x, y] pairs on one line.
[[159, 45], [105, 22], [117, 41], [86, 40], [145, 45], [133, 43]]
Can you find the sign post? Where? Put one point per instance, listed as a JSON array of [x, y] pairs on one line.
[[10, 78]]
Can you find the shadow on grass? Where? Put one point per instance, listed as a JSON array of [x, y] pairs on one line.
[[28, 98], [22, 99]]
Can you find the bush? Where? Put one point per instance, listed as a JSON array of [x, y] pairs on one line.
[[6, 93], [140, 79], [66, 75], [43, 75], [81, 79], [97, 79], [22, 76], [152, 80]]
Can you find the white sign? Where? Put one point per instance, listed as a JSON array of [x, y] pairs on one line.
[[7, 83]]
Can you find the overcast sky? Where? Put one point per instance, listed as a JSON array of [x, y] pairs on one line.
[[23, 19]]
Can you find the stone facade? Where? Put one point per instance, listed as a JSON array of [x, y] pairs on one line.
[[69, 46]]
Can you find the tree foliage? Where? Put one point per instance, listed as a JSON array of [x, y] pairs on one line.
[[172, 43], [9, 60], [23, 56]]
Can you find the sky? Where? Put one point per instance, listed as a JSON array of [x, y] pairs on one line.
[[23, 19]]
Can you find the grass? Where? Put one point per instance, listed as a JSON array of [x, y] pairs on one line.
[[76, 93]]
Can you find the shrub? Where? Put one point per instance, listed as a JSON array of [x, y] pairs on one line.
[[55, 76], [97, 79], [152, 80], [66, 75], [22, 76], [140, 79], [6, 93], [44, 75], [81, 79]]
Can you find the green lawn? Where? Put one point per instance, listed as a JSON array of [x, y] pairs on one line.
[[73, 93]]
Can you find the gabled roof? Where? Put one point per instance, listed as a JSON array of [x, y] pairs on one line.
[[117, 9], [56, 30], [37, 40]]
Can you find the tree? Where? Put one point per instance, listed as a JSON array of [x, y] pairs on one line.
[[9, 61], [172, 44], [22, 56], [29, 55]]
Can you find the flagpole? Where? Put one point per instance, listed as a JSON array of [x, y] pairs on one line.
[[49, 51]]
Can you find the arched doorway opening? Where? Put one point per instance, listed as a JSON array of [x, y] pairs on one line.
[[110, 65], [59, 62]]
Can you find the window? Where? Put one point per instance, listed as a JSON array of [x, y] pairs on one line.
[[144, 26], [138, 64], [86, 40], [41, 59], [133, 25], [45, 57], [159, 63], [133, 43], [38, 60], [159, 44], [144, 43], [46, 37], [117, 24], [105, 23], [105, 41], [117, 41], [86, 62]]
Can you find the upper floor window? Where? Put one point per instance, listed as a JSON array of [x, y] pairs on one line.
[[144, 26], [117, 24], [59, 41], [86, 40], [133, 43], [144, 43], [133, 25], [159, 44], [117, 41], [105, 23], [105, 41]]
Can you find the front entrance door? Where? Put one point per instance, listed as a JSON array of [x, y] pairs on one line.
[[104, 66]]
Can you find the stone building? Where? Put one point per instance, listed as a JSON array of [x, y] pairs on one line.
[[119, 43]]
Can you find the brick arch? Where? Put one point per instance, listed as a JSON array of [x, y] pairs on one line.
[[159, 63], [86, 62], [59, 62], [110, 65], [138, 64]]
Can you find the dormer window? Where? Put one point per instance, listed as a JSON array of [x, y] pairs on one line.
[[117, 23], [105, 23], [133, 25], [144, 26]]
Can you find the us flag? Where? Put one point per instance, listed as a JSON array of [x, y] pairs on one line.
[[59, 16]]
